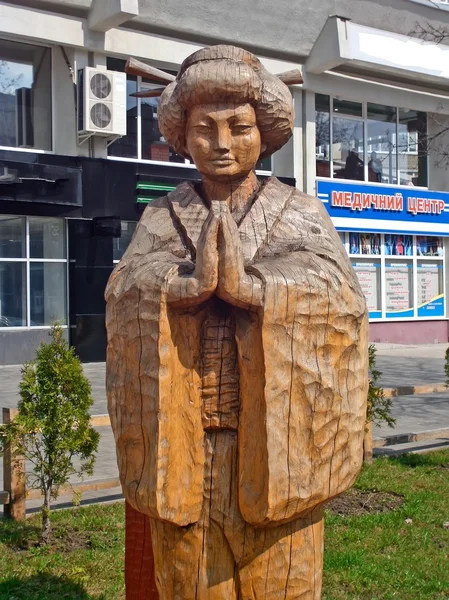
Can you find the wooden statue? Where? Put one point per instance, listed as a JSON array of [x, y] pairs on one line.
[[237, 355]]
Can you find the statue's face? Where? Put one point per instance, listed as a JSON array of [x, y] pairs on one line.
[[223, 141]]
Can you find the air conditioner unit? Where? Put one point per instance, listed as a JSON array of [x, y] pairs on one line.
[[101, 103]]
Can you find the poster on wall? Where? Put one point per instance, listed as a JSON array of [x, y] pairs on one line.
[[368, 276], [398, 290], [430, 298]]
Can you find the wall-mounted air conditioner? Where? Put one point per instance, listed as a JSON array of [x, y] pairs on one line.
[[101, 103]]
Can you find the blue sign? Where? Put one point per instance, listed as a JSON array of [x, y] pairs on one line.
[[359, 206]]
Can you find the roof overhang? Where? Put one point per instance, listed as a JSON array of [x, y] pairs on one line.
[[344, 43]]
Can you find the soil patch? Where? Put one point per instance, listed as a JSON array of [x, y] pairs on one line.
[[64, 542], [361, 502]]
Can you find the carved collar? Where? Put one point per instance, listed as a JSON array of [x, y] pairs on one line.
[[189, 211]]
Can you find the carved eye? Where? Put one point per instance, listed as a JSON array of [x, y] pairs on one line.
[[202, 128], [241, 129]]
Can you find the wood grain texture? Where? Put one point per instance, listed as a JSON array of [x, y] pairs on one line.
[[237, 360]]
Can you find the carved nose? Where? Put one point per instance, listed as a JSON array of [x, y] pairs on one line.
[[223, 139]]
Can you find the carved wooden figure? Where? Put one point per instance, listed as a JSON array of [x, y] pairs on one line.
[[237, 355]]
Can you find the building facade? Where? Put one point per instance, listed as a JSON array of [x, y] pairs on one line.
[[371, 140]]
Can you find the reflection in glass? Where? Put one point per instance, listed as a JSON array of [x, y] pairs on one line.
[[126, 146], [429, 246], [47, 293], [322, 135], [12, 237], [154, 146], [347, 148], [381, 128], [25, 95], [412, 154], [47, 238], [398, 245], [347, 107], [121, 244], [12, 294], [264, 164]]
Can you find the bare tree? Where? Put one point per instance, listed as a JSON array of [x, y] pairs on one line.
[[8, 84]]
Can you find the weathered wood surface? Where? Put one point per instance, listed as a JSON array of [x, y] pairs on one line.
[[13, 476], [237, 355]]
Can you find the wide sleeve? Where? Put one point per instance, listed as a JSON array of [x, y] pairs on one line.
[[151, 378], [304, 392]]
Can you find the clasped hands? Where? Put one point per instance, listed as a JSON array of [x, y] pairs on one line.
[[219, 267]]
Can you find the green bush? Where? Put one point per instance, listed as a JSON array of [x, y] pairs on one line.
[[446, 366], [379, 407], [52, 427]]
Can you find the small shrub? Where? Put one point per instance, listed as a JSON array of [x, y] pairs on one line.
[[52, 427], [379, 407], [446, 367]]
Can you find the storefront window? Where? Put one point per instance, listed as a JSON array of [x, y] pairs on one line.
[[121, 244], [401, 275], [33, 271], [381, 133], [322, 129], [126, 146], [412, 158], [370, 142], [25, 95]]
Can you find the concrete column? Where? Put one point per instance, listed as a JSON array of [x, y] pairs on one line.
[[41, 96], [309, 161]]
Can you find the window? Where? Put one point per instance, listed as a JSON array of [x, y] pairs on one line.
[[143, 140], [25, 95], [401, 275], [121, 244], [365, 141], [33, 271]]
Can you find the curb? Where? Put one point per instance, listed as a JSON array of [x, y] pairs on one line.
[[410, 390], [406, 438]]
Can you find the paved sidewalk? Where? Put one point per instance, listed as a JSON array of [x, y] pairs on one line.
[[400, 365]]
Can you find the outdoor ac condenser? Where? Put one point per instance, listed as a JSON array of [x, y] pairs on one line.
[[101, 102]]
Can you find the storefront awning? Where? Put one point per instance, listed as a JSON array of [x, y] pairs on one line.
[[344, 43]]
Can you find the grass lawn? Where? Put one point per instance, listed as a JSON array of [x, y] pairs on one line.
[[369, 556]]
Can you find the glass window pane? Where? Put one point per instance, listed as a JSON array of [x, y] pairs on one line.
[[47, 293], [347, 107], [347, 148], [399, 288], [121, 244], [381, 143], [369, 276], [398, 245], [25, 95], [364, 243], [264, 164], [12, 294], [47, 238], [154, 145], [430, 280], [322, 135], [429, 246], [12, 237], [126, 146], [411, 143]]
